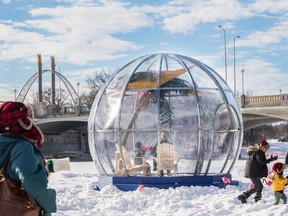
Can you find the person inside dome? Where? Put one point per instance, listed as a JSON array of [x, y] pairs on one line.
[[139, 154]]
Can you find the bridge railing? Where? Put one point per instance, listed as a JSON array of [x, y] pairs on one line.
[[68, 111], [263, 101], [41, 110]]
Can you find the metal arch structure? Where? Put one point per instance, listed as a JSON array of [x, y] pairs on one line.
[[75, 97]]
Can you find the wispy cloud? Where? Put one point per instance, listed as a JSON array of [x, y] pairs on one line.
[[189, 15], [6, 1], [77, 34]]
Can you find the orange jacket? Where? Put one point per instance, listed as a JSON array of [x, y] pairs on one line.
[[278, 183]]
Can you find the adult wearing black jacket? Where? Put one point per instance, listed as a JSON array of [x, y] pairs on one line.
[[256, 168]]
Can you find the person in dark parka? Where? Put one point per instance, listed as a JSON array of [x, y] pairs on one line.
[[256, 168]]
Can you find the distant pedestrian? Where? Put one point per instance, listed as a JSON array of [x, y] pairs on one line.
[[256, 168], [278, 182]]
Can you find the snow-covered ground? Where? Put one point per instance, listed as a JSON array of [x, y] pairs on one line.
[[75, 195]]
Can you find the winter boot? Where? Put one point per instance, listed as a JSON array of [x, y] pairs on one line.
[[160, 173], [284, 197], [148, 169], [154, 165], [243, 198], [257, 197]]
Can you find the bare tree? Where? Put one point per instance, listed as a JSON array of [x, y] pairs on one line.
[[61, 96], [285, 128], [98, 79], [263, 132], [250, 93], [95, 82]]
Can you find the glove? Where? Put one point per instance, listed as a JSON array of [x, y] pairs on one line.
[[273, 158]]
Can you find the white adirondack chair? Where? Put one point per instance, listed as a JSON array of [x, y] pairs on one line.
[[131, 169], [166, 157]]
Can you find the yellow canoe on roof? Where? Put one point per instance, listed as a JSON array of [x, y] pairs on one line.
[[150, 84]]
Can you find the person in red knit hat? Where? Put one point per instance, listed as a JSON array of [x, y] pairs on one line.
[[17, 118], [21, 138], [278, 182]]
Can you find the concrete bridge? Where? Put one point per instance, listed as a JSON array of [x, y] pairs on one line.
[[58, 125], [261, 110], [257, 116]]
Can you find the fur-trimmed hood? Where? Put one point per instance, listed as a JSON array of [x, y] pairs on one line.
[[251, 150]]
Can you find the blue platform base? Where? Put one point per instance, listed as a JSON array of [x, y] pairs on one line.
[[132, 183]]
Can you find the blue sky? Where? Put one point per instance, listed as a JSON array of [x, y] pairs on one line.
[[86, 36]]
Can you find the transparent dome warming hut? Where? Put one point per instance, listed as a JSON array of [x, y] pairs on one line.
[[166, 94]]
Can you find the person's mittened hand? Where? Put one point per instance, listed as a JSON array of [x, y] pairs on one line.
[[273, 158]]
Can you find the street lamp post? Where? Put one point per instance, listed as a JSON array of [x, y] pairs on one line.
[[59, 84], [15, 93], [235, 66], [224, 51], [242, 71], [78, 105], [78, 83]]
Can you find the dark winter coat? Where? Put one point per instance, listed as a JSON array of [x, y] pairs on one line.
[[26, 165], [138, 154], [256, 164]]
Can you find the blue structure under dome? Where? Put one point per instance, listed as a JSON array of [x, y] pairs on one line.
[[165, 120]]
